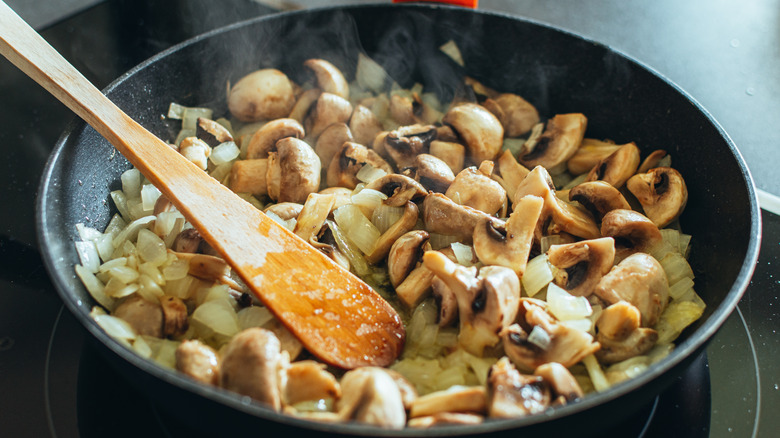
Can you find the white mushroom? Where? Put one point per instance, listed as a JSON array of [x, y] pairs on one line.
[[511, 394], [371, 396], [620, 334], [251, 363], [261, 95], [198, 360]]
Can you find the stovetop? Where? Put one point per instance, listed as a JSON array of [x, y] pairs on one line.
[[53, 381]]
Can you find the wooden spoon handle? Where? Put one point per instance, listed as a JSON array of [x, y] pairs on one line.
[[338, 317]]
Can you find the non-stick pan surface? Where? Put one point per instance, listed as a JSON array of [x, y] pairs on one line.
[[557, 71]]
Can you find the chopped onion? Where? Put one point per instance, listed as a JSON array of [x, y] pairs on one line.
[[566, 306], [176, 270], [120, 201], [190, 117], [175, 111], [149, 289], [115, 327], [254, 316], [105, 246], [539, 337], [370, 75], [369, 173], [677, 316], [151, 248], [576, 181], [131, 231], [86, 233], [149, 195], [450, 48], [357, 262], [356, 227], [547, 241], [116, 288], [88, 255], [224, 153], [115, 225], [384, 216], [131, 183], [368, 198], [215, 320], [676, 267], [439, 241], [184, 133], [513, 145], [597, 377], [582, 324], [125, 274], [464, 254], [95, 287], [119, 261], [679, 288], [537, 275]]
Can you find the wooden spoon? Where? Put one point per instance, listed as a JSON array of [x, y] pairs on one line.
[[336, 316]]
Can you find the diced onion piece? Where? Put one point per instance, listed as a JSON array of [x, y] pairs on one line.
[[439, 241], [117, 328], [175, 111], [116, 288], [95, 287], [384, 216], [120, 201], [119, 261], [105, 246], [566, 306], [125, 274], [369, 74], [368, 198], [547, 241], [115, 225], [685, 244], [131, 183], [513, 145], [677, 316], [450, 48], [182, 288], [149, 289], [163, 350], [221, 172], [659, 352], [597, 377], [142, 347], [224, 153], [184, 133], [131, 231], [369, 173], [216, 292], [151, 248], [420, 372], [357, 261], [153, 271], [87, 233], [676, 267], [626, 369], [149, 195], [176, 270], [537, 275], [88, 255], [464, 254], [254, 316], [215, 320], [356, 227], [539, 337], [576, 181], [679, 288], [190, 117], [660, 250], [583, 324]]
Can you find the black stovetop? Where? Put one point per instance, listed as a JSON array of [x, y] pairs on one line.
[[52, 380]]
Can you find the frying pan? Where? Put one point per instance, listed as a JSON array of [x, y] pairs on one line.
[[557, 71]]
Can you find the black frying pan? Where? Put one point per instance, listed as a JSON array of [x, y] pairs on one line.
[[557, 71]]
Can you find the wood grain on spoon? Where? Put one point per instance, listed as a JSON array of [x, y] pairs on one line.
[[337, 316]]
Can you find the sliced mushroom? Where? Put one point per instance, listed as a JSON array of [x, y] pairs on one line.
[[618, 167], [633, 232], [553, 342], [187, 241], [398, 188], [590, 152], [309, 380], [399, 228], [557, 143], [581, 265], [264, 139], [511, 394], [443, 216], [451, 153], [662, 193], [349, 160], [651, 161], [640, 280], [467, 399], [433, 173], [331, 140], [405, 254], [445, 301], [285, 210], [487, 302], [313, 215], [196, 150], [598, 197], [408, 391], [405, 143], [516, 114], [326, 243], [564, 386], [208, 267], [212, 132], [414, 288], [402, 110], [364, 125], [371, 396], [145, 317], [329, 77], [620, 334], [325, 111], [261, 95], [509, 244], [304, 103], [293, 171], [251, 362], [198, 360], [479, 129], [474, 187], [174, 310], [510, 173]]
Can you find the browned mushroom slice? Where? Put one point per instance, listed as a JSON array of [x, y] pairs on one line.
[[581, 265], [618, 167], [433, 173], [511, 173], [662, 193], [538, 338], [313, 215], [414, 288], [285, 210], [511, 394], [349, 160], [470, 399], [198, 360], [196, 151], [212, 132], [326, 243], [408, 391], [399, 189], [590, 152], [598, 197], [445, 301], [474, 187], [633, 232], [558, 142], [399, 228], [402, 110], [309, 380], [342, 195], [451, 153], [487, 302], [329, 77], [405, 254], [478, 128], [371, 396], [405, 143], [304, 104], [175, 321], [516, 114], [364, 125], [262, 95], [251, 362], [651, 161], [331, 140], [325, 111], [443, 216], [620, 334], [293, 171], [264, 139], [563, 384], [640, 280], [509, 244], [145, 317]]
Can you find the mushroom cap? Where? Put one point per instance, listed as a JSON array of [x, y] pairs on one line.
[[331, 140], [473, 188], [633, 232], [478, 128], [309, 380], [581, 265], [432, 172], [325, 111], [250, 366], [405, 254], [516, 114], [329, 77], [662, 193], [198, 361], [620, 334], [618, 167], [590, 153], [145, 317], [261, 95], [264, 139], [364, 125], [558, 142], [451, 153], [404, 144], [345, 165], [293, 171], [371, 396], [398, 188], [442, 215], [640, 280], [598, 197], [511, 394], [561, 381]]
